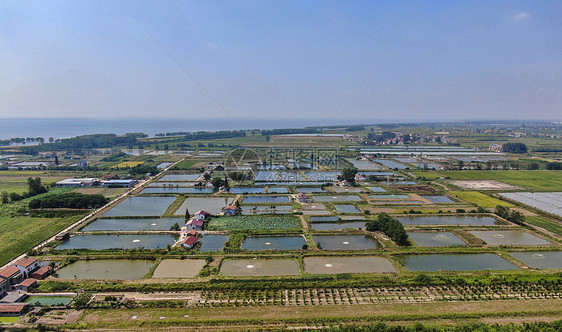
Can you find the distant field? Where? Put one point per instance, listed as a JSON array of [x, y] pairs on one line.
[[480, 199], [253, 223], [426, 174], [107, 192], [128, 164], [13, 188], [184, 165], [19, 234], [534, 180], [549, 225], [298, 141]]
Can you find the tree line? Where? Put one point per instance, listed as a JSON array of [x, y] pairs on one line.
[[391, 227], [35, 187], [69, 201]]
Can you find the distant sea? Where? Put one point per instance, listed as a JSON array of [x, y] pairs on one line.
[[64, 128]]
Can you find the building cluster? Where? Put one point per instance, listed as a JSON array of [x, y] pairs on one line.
[[95, 182], [16, 280]]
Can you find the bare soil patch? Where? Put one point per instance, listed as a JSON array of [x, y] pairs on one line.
[[483, 185]]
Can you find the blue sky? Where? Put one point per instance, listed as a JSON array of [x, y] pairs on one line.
[[282, 59]]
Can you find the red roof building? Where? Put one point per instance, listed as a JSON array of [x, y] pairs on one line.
[[13, 309], [27, 284], [189, 242], [42, 272]]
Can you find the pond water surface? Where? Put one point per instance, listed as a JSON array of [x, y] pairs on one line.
[[515, 237], [212, 242], [346, 242], [331, 265], [151, 224], [273, 243], [449, 220], [125, 241], [346, 208], [337, 198], [259, 267], [540, 259], [113, 269], [141, 206], [455, 262], [435, 239]]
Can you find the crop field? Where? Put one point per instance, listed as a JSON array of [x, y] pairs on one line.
[[534, 180], [184, 165], [253, 223], [107, 192], [480, 199], [19, 234], [549, 225], [547, 202], [128, 164]]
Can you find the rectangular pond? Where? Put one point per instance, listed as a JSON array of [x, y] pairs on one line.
[[266, 209], [294, 242], [124, 241], [510, 238], [277, 190], [455, 262], [178, 190], [178, 268], [391, 163], [213, 205], [364, 164], [334, 264], [390, 196], [377, 189], [141, 206], [180, 177], [438, 199], [346, 242], [322, 176], [346, 208], [540, 259], [310, 190], [347, 190], [266, 199], [337, 198], [247, 190], [151, 224], [259, 267], [213, 242], [111, 269], [329, 226], [449, 220], [435, 239], [324, 219]]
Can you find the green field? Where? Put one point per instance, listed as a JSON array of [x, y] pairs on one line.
[[533, 180], [184, 165], [8, 320], [480, 199], [19, 234], [549, 225], [253, 223]]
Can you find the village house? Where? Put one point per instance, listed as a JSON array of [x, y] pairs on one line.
[[360, 177], [42, 273], [194, 224], [26, 265], [201, 215], [189, 242], [27, 284], [3, 287], [62, 237], [303, 198], [12, 275], [229, 210], [13, 309]]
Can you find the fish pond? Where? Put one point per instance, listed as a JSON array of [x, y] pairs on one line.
[[435, 239], [390, 196], [449, 220], [112, 269], [330, 226], [376, 189], [180, 177], [47, 301], [513, 237], [266, 199], [212, 242], [337, 198], [540, 260], [334, 264], [141, 206], [438, 199], [212, 205], [178, 268], [346, 242], [310, 190], [124, 241], [178, 190], [455, 262], [274, 242], [259, 267], [247, 190], [151, 224], [346, 208]]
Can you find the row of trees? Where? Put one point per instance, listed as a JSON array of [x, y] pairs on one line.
[[515, 217], [69, 201], [35, 187], [391, 227]]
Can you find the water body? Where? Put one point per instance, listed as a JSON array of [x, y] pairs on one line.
[[436, 239], [331, 265], [211, 242], [346, 208], [177, 190], [389, 196], [259, 267], [278, 190], [516, 238], [213, 205], [266, 199], [322, 176], [391, 164], [329, 226], [310, 190], [180, 177], [459, 262], [438, 199], [377, 189], [337, 198], [141, 206], [449, 220], [347, 190], [346, 242], [49, 300], [364, 164], [324, 219], [125, 241], [152, 224], [178, 268], [273, 243], [111, 269], [540, 259], [247, 190]]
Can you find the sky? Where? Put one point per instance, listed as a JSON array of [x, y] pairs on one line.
[[323, 61]]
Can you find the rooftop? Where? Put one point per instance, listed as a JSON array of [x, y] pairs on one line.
[[26, 262], [9, 272]]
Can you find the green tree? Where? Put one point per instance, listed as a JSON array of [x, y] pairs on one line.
[[217, 182], [35, 186], [533, 166], [5, 197], [348, 174], [187, 215]]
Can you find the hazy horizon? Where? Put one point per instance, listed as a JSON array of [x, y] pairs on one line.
[[459, 61]]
